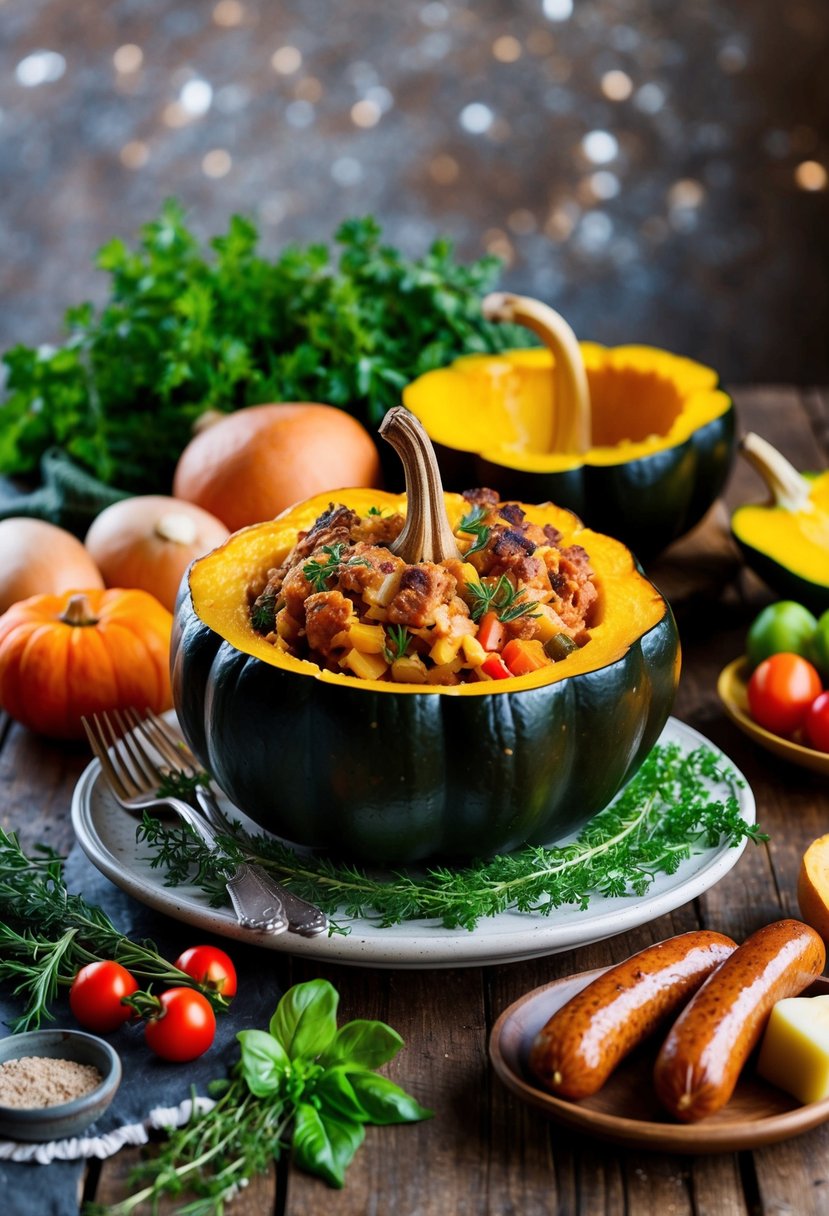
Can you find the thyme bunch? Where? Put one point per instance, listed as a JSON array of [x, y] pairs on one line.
[[677, 804]]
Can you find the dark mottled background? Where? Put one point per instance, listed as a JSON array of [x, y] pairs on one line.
[[656, 169]]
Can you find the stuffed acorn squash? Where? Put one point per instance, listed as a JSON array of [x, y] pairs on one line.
[[637, 441], [357, 694]]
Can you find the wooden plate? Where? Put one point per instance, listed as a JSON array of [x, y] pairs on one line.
[[625, 1111], [731, 687]]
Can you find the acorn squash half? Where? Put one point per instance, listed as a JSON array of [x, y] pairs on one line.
[[637, 441], [786, 540], [395, 773]]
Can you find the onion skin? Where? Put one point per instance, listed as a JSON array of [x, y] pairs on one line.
[[147, 543], [38, 558]]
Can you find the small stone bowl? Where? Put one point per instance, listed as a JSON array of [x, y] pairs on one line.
[[68, 1118]]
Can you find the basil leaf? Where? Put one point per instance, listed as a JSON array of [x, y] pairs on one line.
[[383, 1101], [368, 1044], [305, 1021], [324, 1145], [337, 1097], [264, 1062]]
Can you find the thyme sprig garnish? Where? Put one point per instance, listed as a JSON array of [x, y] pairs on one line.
[[48, 934], [318, 572], [473, 525], [500, 598], [398, 640], [677, 804]]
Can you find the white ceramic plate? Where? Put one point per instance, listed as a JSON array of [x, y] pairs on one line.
[[107, 835]]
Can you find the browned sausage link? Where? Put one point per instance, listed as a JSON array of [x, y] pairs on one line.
[[575, 1053], [700, 1061]]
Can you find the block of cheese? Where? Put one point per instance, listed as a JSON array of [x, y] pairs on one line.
[[795, 1050]]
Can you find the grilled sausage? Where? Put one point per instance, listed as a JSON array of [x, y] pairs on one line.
[[700, 1061], [575, 1053]]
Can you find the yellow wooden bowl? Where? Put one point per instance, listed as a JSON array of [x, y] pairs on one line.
[[731, 686]]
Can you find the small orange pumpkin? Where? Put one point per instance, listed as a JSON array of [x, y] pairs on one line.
[[64, 656], [149, 541]]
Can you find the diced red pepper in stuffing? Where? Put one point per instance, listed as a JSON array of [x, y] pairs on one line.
[[495, 667]]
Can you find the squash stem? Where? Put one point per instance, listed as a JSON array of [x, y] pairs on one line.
[[78, 612], [427, 534], [572, 433], [788, 489]]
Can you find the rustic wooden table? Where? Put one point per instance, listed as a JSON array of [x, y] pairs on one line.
[[484, 1152]]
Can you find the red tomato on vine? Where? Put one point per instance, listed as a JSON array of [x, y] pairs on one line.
[[96, 994], [210, 966], [182, 1028]]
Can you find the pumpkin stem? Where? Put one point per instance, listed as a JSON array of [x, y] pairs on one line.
[[427, 534], [788, 489], [176, 527], [78, 611], [571, 392]]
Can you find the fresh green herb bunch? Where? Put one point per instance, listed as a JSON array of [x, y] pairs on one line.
[[305, 1084], [187, 329], [678, 803]]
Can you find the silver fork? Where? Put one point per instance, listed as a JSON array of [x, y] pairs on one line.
[[134, 778], [304, 917]]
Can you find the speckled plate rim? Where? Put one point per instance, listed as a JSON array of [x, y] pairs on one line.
[[106, 833], [508, 1047], [731, 689]]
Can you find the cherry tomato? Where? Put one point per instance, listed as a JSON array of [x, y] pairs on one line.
[[210, 966], [816, 723], [780, 692], [184, 1026], [95, 996]]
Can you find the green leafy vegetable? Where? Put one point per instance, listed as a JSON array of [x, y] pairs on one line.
[[678, 803], [286, 1091], [48, 934], [185, 330]]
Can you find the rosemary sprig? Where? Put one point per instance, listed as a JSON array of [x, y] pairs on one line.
[[398, 642], [677, 803], [318, 573], [473, 525], [48, 934], [500, 598]]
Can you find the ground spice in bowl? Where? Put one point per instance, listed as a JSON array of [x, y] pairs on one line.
[[32, 1082]]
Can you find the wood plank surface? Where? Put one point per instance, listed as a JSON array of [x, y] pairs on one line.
[[484, 1152]]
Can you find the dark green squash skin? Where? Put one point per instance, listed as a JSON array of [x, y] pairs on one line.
[[645, 503], [787, 584], [399, 777]]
